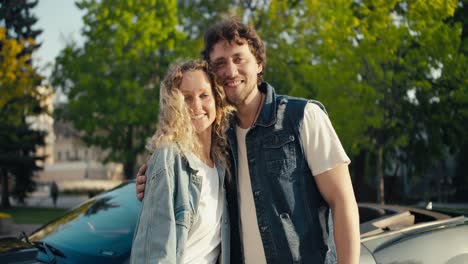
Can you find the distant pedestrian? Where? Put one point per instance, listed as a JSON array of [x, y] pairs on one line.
[[54, 193]]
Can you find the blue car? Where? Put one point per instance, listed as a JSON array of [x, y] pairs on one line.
[[100, 230]]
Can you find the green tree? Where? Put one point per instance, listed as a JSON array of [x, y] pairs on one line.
[[20, 99], [17, 18], [112, 81], [193, 18], [460, 100], [380, 64]]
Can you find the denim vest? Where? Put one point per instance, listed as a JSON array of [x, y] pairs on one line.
[[291, 213], [170, 207]]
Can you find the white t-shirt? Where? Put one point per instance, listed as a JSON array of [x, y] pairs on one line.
[[204, 238], [323, 151]]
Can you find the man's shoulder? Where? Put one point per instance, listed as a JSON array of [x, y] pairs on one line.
[[297, 101], [282, 99], [292, 103]]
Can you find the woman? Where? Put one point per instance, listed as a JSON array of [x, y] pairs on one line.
[[184, 218]]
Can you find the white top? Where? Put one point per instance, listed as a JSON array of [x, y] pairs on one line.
[[204, 238], [253, 248], [323, 151], [322, 147]]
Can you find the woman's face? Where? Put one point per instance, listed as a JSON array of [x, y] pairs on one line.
[[196, 88]]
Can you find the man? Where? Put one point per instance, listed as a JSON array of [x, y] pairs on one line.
[[288, 166]]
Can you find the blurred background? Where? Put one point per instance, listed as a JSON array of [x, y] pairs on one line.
[[79, 86]]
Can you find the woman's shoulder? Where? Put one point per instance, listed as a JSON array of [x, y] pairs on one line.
[[168, 148], [166, 151], [164, 159]]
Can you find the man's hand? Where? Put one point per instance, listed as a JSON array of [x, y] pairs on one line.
[[141, 180]]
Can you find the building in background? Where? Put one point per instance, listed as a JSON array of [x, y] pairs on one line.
[[74, 166]]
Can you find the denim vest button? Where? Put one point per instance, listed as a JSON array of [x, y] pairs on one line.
[[256, 193], [284, 216], [252, 160], [264, 228]]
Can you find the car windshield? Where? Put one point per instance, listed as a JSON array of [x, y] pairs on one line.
[[103, 225]]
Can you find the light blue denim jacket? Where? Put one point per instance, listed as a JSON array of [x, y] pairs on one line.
[[170, 207]]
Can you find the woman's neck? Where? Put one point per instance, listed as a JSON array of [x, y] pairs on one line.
[[204, 152]]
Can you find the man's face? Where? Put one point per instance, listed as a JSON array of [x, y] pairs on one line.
[[236, 69]]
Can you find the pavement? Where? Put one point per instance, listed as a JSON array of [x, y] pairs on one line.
[[42, 199]]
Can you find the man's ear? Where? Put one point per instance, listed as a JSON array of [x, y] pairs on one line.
[[259, 68]]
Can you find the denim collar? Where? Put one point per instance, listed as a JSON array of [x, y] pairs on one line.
[[267, 116]]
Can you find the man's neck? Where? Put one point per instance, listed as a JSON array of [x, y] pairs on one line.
[[248, 112]]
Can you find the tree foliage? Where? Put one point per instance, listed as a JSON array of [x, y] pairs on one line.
[[17, 76], [193, 18], [112, 81], [19, 98], [17, 18], [414, 112]]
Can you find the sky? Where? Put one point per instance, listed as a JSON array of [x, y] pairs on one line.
[[61, 22]]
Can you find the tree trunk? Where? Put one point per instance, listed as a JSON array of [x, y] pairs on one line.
[[380, 176], [358, 176], [5, 194]]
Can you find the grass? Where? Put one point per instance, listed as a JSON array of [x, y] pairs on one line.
[[33, 215]]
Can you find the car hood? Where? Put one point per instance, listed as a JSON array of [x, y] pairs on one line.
[[101, 227]]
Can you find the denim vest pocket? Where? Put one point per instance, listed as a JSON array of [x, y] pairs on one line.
[[280, 155], [183, 217], [292, 237], [279, 146]]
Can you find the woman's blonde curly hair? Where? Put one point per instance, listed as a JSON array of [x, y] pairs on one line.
[[174, 122]]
